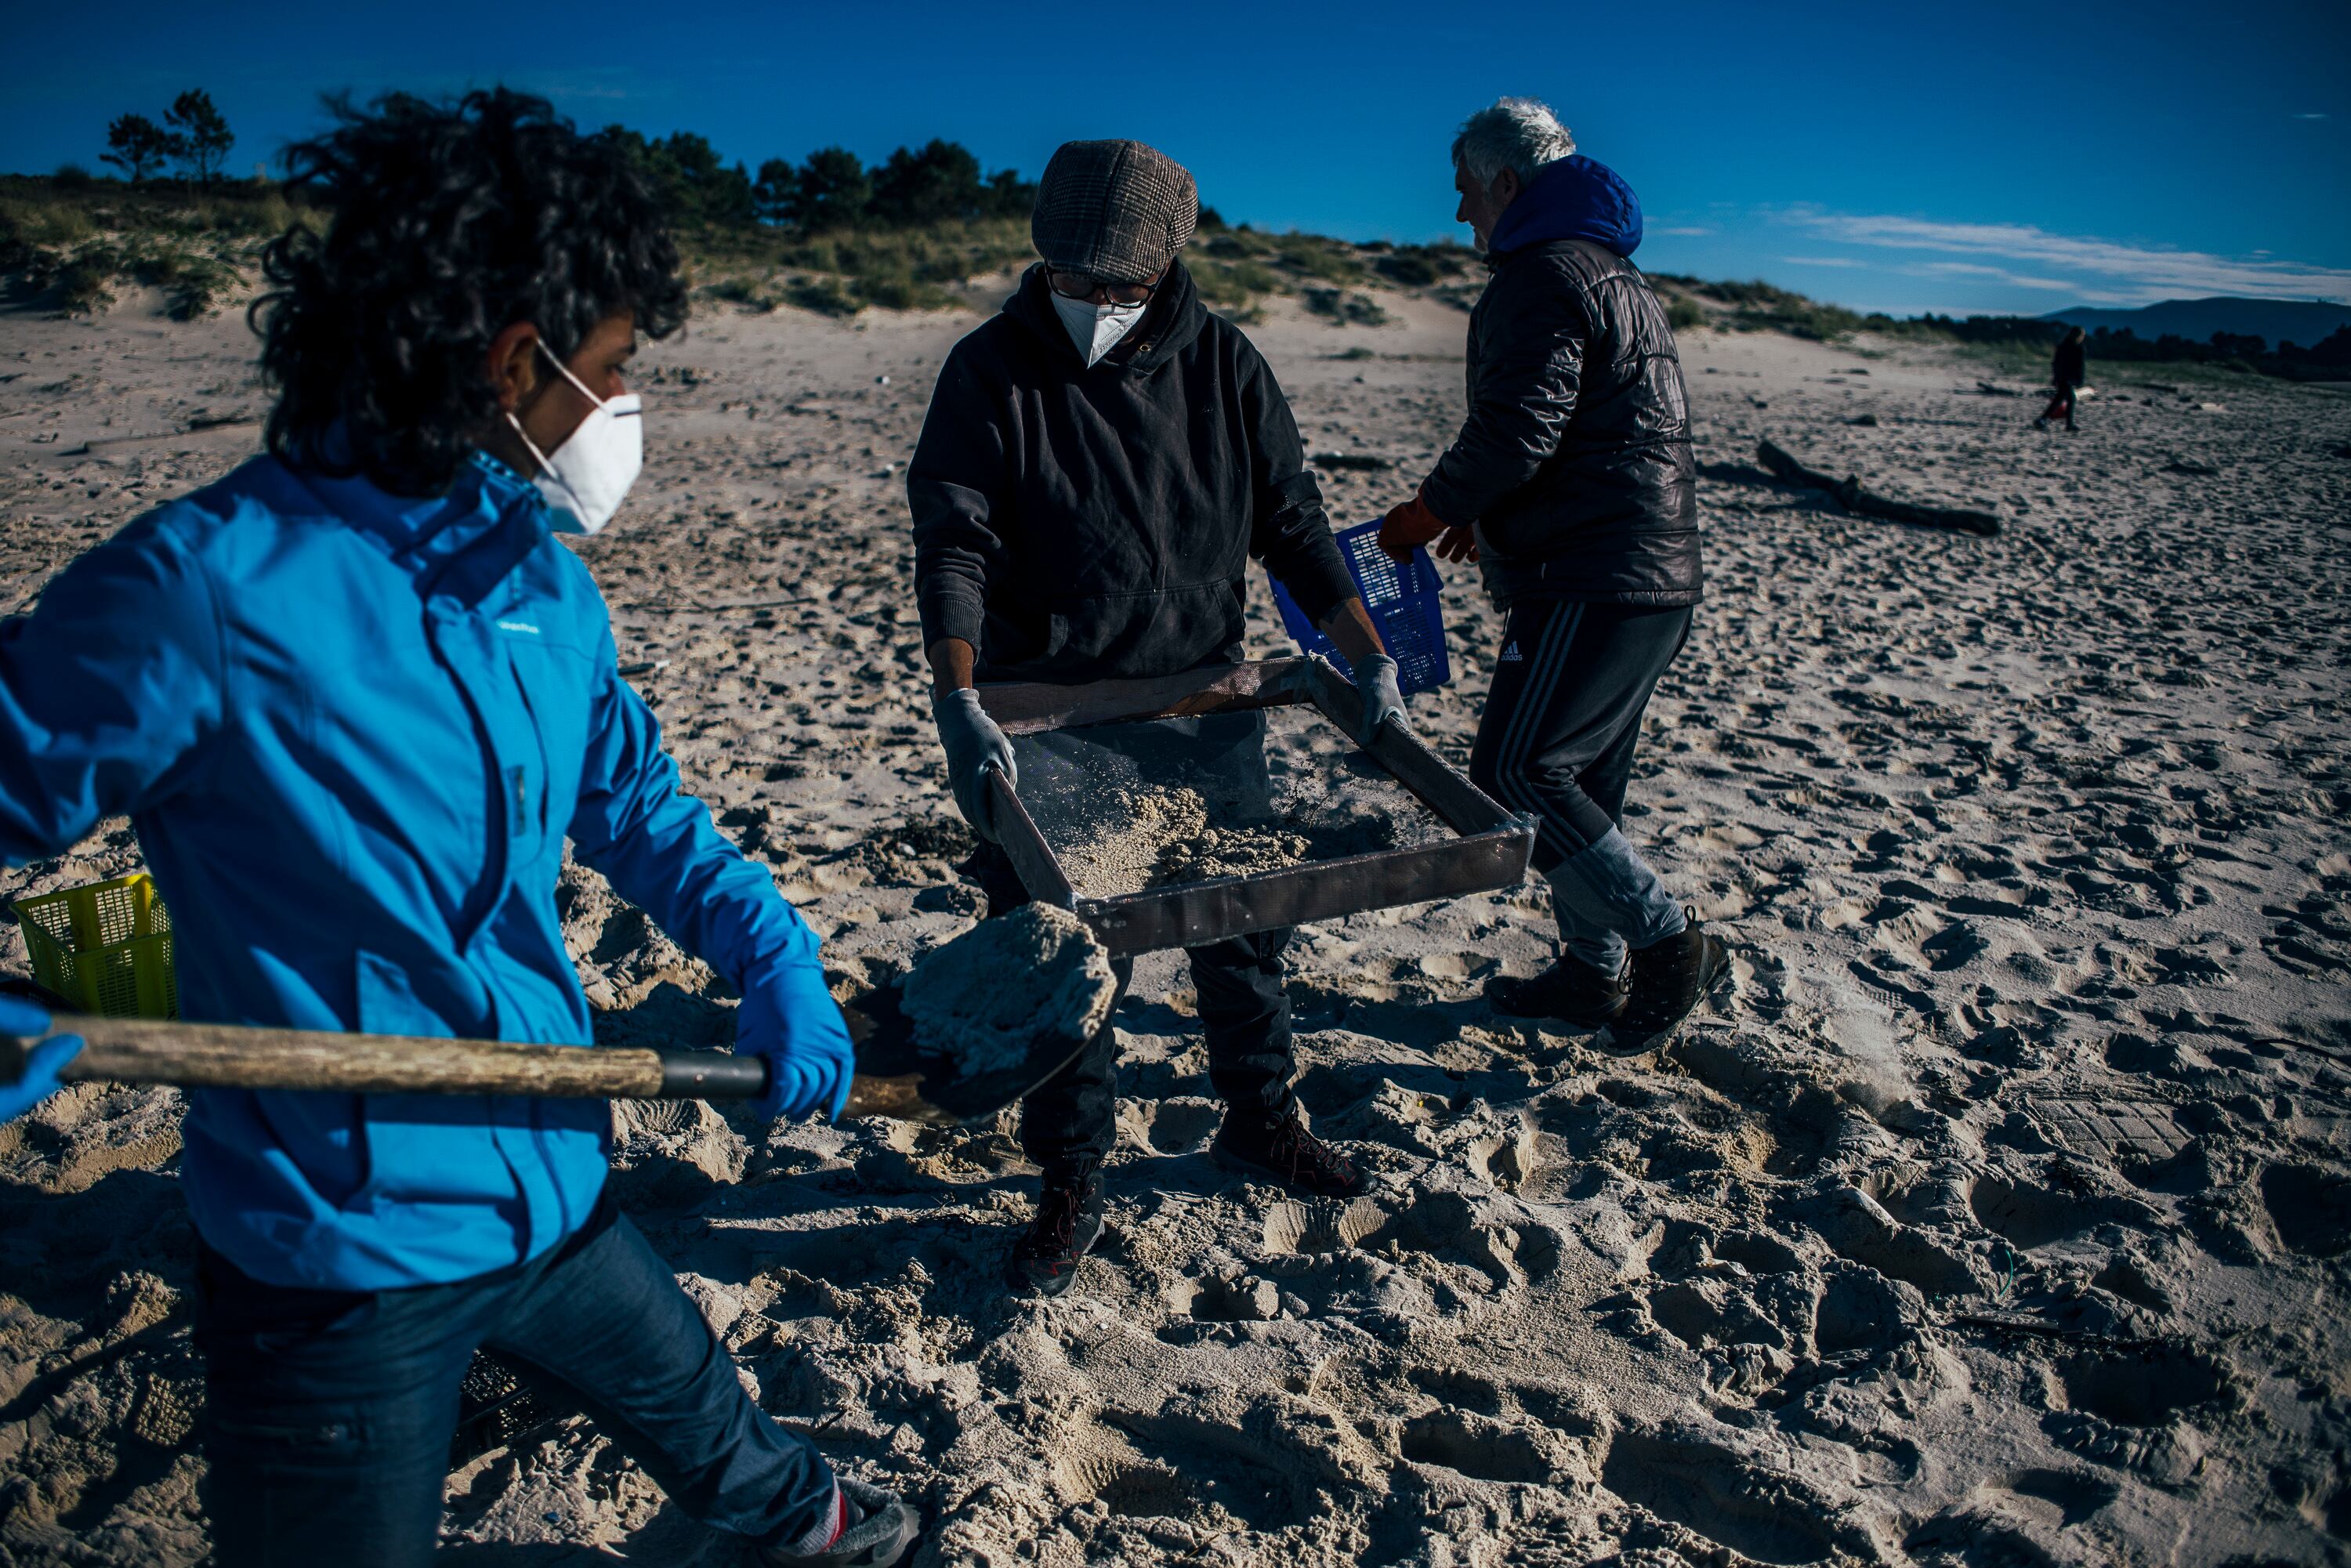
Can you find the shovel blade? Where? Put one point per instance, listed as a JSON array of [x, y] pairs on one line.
[[897, 1079]]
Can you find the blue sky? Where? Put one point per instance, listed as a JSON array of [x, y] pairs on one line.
[[1907, 157]]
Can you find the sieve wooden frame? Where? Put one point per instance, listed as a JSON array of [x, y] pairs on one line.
[[1490, 853]]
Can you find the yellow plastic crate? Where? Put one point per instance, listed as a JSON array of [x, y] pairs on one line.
[[106, 947]]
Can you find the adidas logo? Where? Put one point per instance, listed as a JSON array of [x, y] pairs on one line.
[[1510, 654]]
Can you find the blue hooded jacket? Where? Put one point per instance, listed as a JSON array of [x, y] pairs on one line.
[[1571, 198], [353, 731]]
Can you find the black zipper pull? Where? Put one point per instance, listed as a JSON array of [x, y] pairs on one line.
[[522, 801]]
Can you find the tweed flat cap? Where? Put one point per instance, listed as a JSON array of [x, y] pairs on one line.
[[1116, 209]]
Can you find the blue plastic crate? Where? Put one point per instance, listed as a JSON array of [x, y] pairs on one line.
[[1402, 602]]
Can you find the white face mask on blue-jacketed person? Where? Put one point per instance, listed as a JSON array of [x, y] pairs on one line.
[[1096, 330], [587, 477]]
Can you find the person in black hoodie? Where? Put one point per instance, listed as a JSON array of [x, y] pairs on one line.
[[1099, 465], [1571, 484], [2069, 370]]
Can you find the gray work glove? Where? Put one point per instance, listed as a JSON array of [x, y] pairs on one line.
[[973, 744], [1375, 679]]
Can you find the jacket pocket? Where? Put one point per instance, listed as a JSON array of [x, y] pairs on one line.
[[420, 1148], [555, 683], [388, 1002]]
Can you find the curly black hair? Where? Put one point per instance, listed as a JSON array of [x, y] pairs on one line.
[[448, 221]]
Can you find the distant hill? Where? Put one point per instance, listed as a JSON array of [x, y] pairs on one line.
[[2275, 321]]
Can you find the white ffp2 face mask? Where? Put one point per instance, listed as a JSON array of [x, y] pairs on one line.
[[1096, 330], [587, 477]]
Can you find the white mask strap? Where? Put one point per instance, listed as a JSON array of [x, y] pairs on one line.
[[528, 444], [531, 447], [565, 371]]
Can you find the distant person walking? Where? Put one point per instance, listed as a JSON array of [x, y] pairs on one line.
[[1572, 483], [2070, 370]]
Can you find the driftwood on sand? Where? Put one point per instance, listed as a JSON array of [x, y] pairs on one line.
[[1853, 499]]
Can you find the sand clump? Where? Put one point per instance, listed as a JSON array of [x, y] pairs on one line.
[[1231, 851], [983, 1000]]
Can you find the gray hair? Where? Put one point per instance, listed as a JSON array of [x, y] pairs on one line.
[[1521, 134]]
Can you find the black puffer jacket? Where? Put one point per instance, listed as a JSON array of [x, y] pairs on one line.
[[1078, 523], [1575, 460]]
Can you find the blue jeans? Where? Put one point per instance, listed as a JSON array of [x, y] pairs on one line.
[[329, 1414]]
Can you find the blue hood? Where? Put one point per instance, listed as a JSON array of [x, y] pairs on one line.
[[1573, 198]]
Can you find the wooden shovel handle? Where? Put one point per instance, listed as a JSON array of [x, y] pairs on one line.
[[232, 1056]]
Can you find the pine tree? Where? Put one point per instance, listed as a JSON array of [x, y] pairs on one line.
[[135, 144], [203, 137], [831, 191]]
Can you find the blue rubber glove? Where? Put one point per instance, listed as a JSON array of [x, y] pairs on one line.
[[42, 1063], [790, 1019]]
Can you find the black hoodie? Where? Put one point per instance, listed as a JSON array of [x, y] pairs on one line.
[[1078, 523]]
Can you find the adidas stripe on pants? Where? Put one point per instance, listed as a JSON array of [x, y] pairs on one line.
[[1556, 741]]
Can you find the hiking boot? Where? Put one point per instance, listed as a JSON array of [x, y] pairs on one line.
[[875, 1530], [1281, 1150], [1068, 1222], [1584, 995], [1670, 978]]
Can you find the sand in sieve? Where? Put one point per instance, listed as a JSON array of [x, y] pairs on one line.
[[1123, 859], [985, 999], [1164, 838]]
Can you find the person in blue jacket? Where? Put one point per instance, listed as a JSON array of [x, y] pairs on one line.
[[355, 698]]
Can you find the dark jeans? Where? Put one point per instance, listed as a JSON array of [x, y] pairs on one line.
[[1071, 1120], [329, 1414]]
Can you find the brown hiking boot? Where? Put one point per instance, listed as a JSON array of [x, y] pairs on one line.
[[1281, 1150]]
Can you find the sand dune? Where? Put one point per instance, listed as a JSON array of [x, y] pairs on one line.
[[1997, 1213]]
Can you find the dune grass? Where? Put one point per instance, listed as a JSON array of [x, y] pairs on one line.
[[74, 243], [842, 272], [77, 243]]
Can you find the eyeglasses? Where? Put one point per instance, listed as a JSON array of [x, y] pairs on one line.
[[1083, 286]]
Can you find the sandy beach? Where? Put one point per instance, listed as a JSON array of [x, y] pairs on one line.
[[1998, 1212]]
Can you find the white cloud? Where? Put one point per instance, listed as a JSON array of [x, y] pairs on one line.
[[2310, 117], [1998, 273], [2141, 273], [1687, 231], [1823, 261]]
